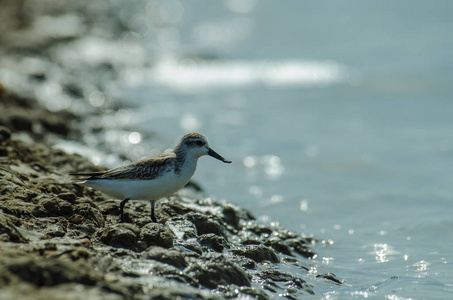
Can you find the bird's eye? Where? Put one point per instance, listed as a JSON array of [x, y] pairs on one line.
[[200, 143]]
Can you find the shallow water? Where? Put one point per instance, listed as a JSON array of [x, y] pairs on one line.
[[338, 119]]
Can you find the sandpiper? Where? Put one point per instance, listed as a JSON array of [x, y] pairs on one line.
[[152, 178]]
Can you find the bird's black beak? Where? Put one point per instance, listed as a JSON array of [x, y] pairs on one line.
[[216, 155]]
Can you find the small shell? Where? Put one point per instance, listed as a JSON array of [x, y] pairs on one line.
[[76, 219]]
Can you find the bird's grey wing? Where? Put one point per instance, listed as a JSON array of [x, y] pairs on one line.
[[145, 169], [87, 175]]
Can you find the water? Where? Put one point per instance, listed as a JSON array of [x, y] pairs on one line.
[[338, 119]]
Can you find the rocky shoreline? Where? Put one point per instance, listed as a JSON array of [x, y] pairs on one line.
[[64, 241], [59, 240]]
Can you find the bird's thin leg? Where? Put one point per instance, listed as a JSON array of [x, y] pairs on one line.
[[122, 208], [153, 217]]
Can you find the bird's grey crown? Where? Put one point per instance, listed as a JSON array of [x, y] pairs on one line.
[[193, 135]]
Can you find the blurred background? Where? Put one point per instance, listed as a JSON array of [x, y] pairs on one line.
[[337, 117]]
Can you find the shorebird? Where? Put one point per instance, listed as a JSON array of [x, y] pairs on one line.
[[152, 178]]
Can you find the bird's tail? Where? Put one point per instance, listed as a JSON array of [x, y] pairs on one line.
[[82, 177]]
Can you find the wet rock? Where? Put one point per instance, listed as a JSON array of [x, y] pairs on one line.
[[21, 122], [329, 276], [143, 267], [258, 253], [230, 216], [55, 231], [285, 281], [206, 224], [46, 187], [70, 197], [66, 291], [5, 134], [16, 209], [180, 292], [189, 246], [138, 267], [120, 235], [50, 272], [56, 124], [23, 114], [247, 263], [53, 207], [3, 151], [77, 253], [259, 229], [8, 232], [233, 215], [243, 292], [279, 246], [279, 276], [301, 247], [110, 208], [171, 209], [284, 234], [90, 213], [251, 241], [217, 271], [214, 242], [182, 228], [65, 208], [170, 256], [155, 234]]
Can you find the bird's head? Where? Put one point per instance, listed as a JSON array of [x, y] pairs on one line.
[[198, 145]]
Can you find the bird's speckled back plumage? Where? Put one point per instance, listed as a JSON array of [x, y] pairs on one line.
[[145, 169]]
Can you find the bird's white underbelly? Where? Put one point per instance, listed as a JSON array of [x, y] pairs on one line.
[[141, 189]]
